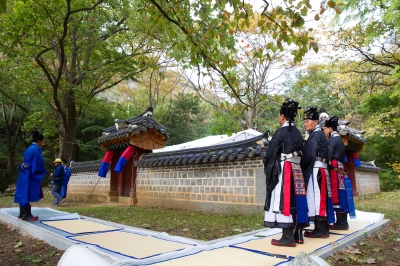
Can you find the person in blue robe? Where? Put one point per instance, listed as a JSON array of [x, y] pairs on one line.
[[30, 176], [67, 175], [58, 176]]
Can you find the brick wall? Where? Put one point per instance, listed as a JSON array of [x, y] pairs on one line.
[[227, 187], [367, 182], [81, 184]]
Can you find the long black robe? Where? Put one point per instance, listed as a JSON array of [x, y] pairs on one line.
[[315, 146], [338, 149], [283, 141]]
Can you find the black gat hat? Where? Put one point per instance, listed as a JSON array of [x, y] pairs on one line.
[[289, 108], [332, 122], [311, 113]]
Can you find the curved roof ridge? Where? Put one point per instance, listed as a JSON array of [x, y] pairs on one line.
[[211, 147], [238, 150]]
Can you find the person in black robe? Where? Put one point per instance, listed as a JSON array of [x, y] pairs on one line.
[[337, 172], [285, 204], [316, 176]]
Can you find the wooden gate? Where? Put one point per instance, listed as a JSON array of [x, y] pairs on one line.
[[123, 185]]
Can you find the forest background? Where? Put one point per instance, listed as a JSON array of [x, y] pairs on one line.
[[70, 68]]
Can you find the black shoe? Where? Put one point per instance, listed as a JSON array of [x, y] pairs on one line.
[[298, 236], [26, 215], [320, 231], [287, 239], [341, 222]]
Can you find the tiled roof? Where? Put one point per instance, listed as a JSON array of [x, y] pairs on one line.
[[351, 132], [130, 127], [249, 148], [88, 166], [238, 150], [368, 166]]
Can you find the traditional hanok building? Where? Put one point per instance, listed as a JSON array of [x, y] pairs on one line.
[[223, 178], [364, 175], [144, 134]]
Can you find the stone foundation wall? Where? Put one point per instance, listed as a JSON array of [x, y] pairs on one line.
[[81, 184], [226, 187], [367, 182]]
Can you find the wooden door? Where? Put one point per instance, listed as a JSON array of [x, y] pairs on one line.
[[125, 183], [126, 179], [113, 175]]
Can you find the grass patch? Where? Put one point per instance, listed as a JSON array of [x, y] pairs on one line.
[[197, 225], [386, 202], [7, 201]]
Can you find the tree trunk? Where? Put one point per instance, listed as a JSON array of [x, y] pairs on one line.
[[65, 140], [12, 132], [67, 128], [66, 137], [10, 164]]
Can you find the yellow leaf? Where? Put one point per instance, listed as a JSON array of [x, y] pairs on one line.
[[331, 4]]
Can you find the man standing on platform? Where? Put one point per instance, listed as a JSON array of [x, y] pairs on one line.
[[337, 173], [314, 164], [67, 175], [285, 204], [30, 177]]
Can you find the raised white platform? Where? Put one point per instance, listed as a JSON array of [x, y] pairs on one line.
[[82, 253]]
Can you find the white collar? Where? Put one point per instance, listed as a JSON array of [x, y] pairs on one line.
[[286, 124], [334, 134], [317, 128]]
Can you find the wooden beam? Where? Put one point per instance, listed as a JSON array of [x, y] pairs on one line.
[[148, 140], [344, 138], [104, 147]]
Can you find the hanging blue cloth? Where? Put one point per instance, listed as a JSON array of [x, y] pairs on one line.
[[301, 209], [331, 213], [344, 207], [125, 157], [105, 163], [356, 159], [349, 196]]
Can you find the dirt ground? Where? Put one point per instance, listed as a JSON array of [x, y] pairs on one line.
[[18, 249], [381, 248]]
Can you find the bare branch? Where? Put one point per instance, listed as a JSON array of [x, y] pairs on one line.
[[98, 89]]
